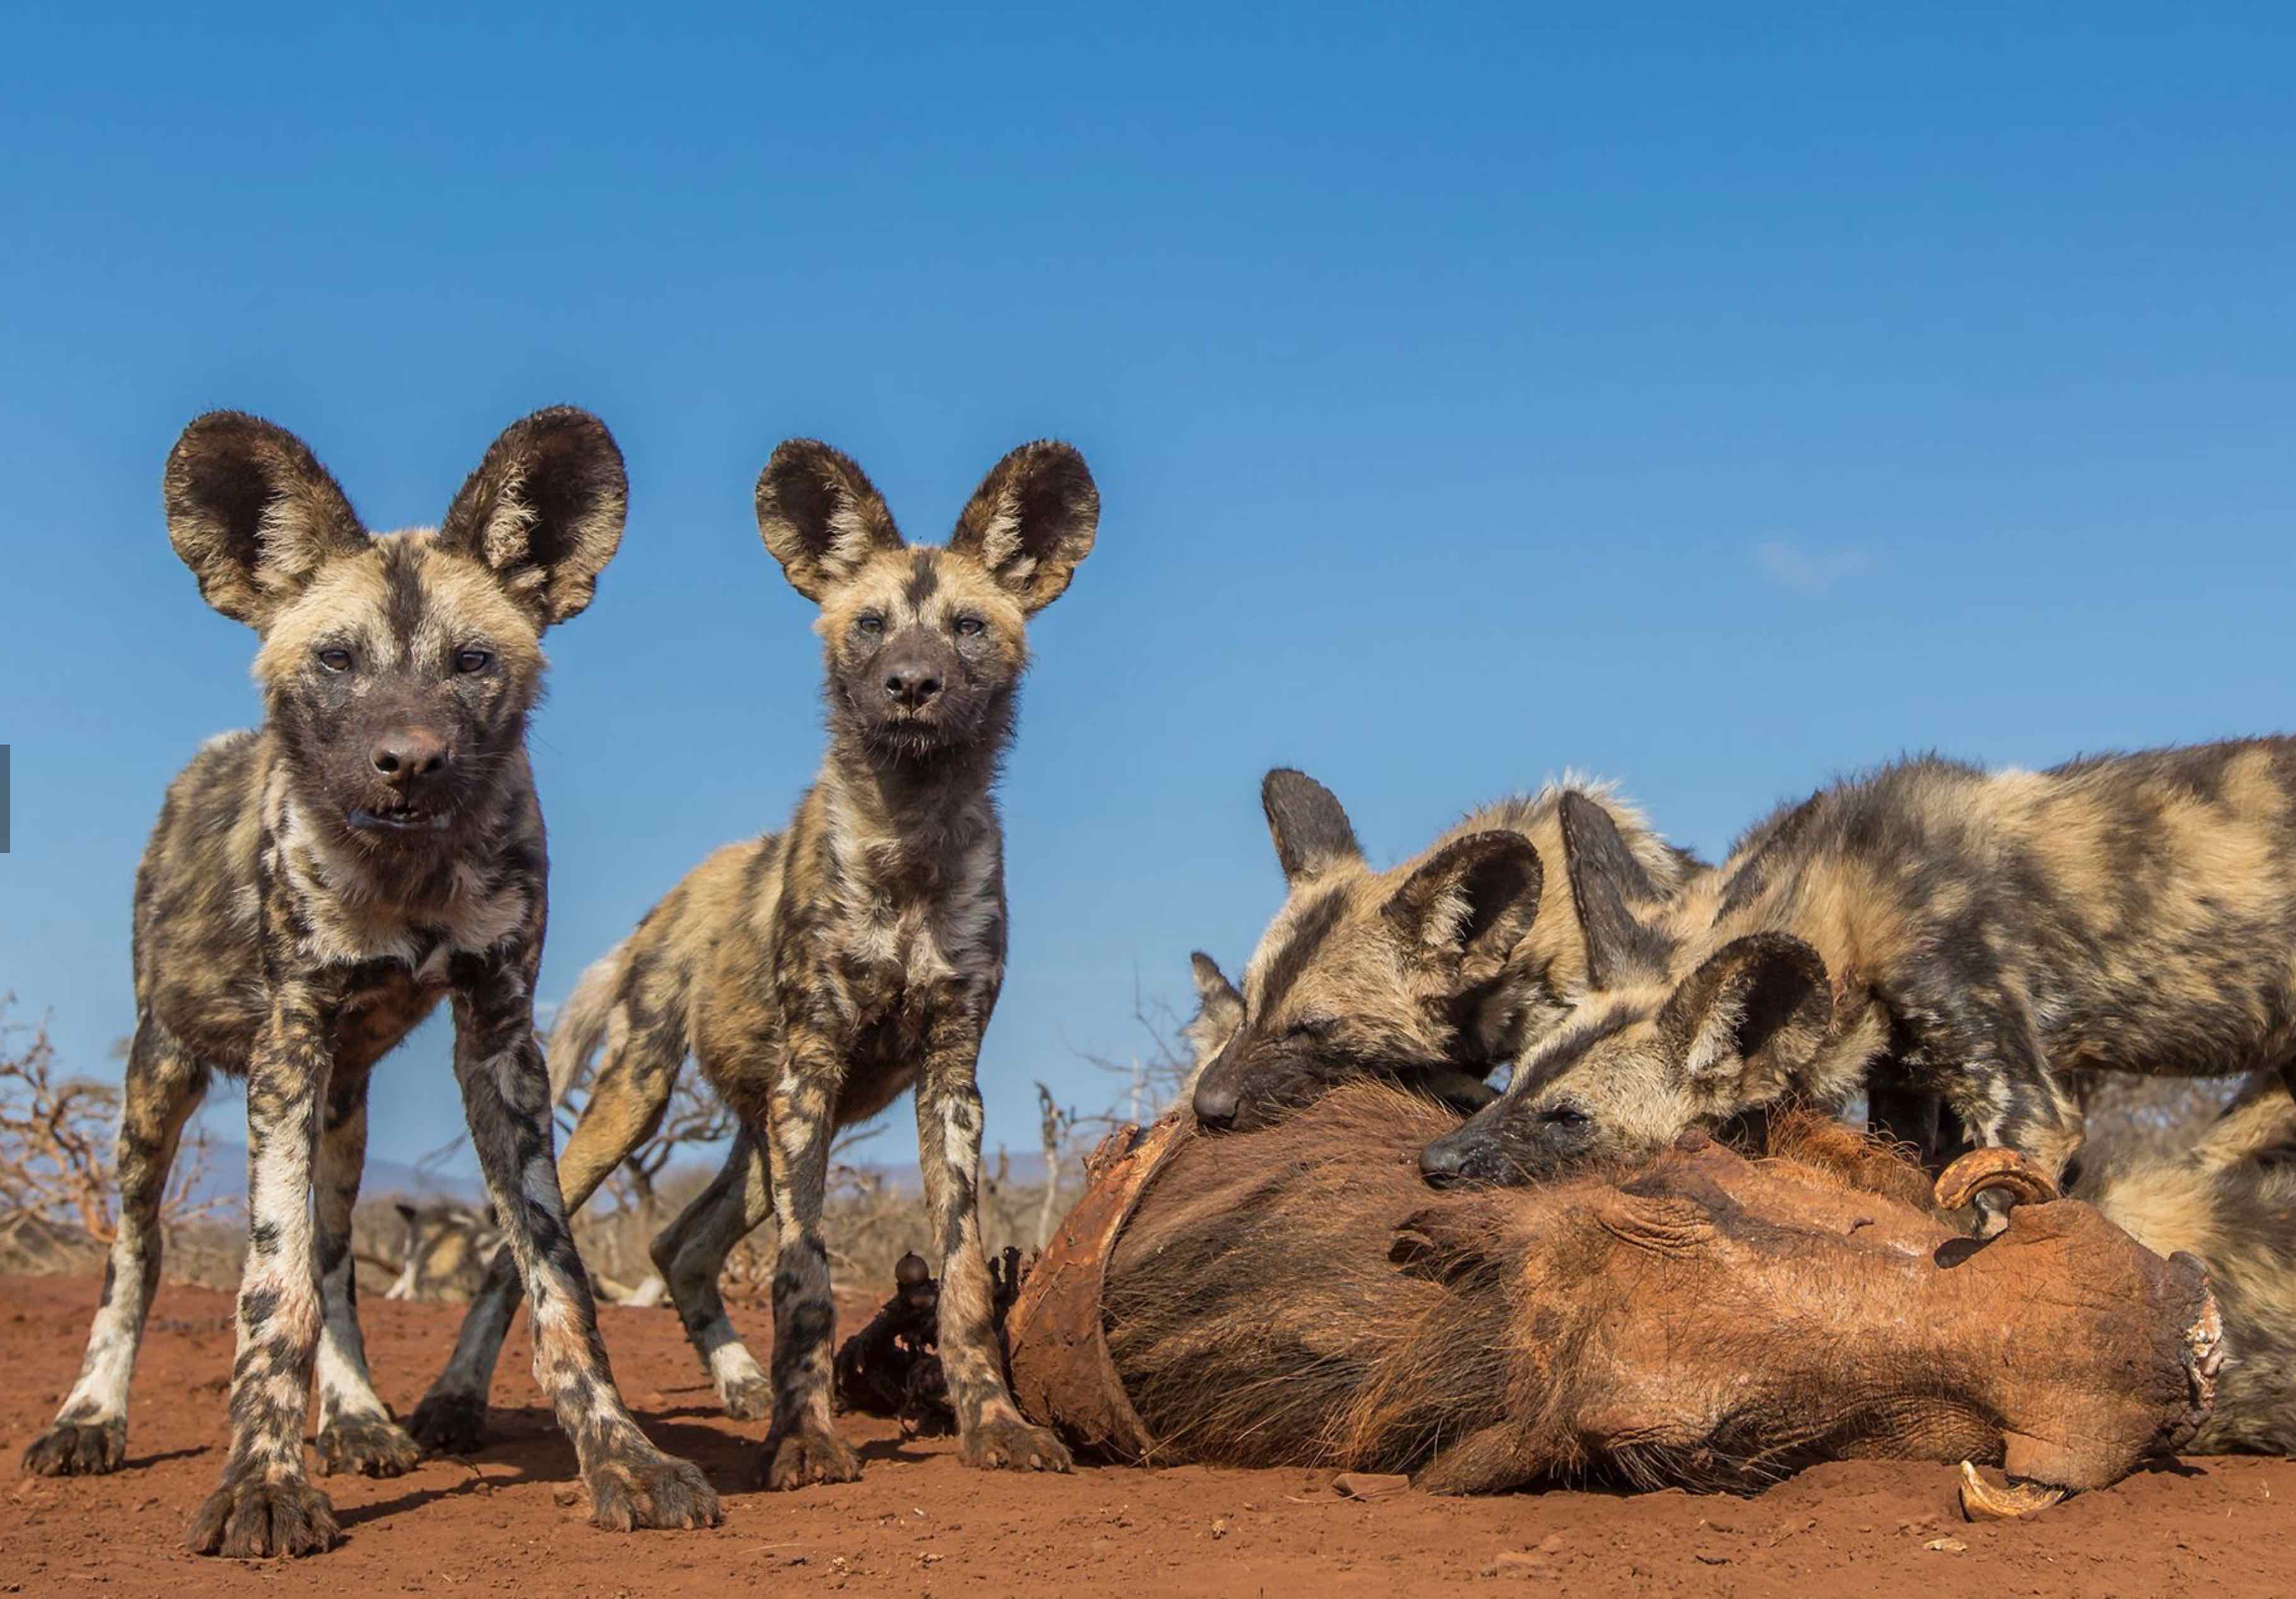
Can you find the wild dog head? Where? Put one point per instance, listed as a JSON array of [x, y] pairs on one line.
[[926, 646], [1659, 1044], [1366, 972], [397, 669]]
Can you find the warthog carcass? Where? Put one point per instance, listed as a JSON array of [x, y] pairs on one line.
[[1295, 1296]]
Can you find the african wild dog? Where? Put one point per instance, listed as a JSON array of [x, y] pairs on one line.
[[1434, 972], [2229, 1199], [1974, 936], [817, 973], [311, 892]]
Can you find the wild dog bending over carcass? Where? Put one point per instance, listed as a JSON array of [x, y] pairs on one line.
[[1970, 935], [1295, 1296], [1432, 973], [818, 973]]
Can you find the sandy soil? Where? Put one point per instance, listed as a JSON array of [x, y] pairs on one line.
[[918, 1525]]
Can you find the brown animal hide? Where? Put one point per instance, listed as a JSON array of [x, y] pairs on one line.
[[1296, 1296]]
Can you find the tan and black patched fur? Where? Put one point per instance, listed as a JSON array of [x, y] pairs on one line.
[[1933, 929], [1432, 972], [2229, 1200], [312, 890], [819, 973]]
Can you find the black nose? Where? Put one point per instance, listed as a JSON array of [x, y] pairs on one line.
[[1215, 1105], [1444, 1163], [408, 753], [913, 686]]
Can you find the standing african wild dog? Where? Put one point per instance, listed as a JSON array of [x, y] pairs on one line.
[[311, 892], [819, 973], [1434, 972], [1974, 936]]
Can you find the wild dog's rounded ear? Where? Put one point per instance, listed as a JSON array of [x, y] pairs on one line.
[[1471, 902], [543, 510], [1031, 522], [1219, 1010], [820, 516], [1211, 982], [1304, 818], [1607, 886], [253, 514], [1756, 1012]]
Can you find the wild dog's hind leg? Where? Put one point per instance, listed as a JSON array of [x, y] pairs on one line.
[[802, 1445], [507, 1097], [90, 1433], [266, 1505], [628, 1095], [691, 1254], [990, 1431], [356, 1433]]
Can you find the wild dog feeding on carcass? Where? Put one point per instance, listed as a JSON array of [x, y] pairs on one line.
[[311, 892], [1295, 1296], [1432, 972], [2228, 1198], [819, 973], [1974, 936]]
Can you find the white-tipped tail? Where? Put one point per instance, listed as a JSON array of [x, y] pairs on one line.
[[582, 1021]]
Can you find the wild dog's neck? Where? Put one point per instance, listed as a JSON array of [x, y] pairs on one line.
[[924, 799]]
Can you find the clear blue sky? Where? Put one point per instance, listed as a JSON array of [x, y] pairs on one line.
[[1715, 402]]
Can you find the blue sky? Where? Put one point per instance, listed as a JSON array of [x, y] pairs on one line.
[[1714, 402]]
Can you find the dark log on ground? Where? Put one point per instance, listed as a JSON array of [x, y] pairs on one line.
[[1297, 1296]]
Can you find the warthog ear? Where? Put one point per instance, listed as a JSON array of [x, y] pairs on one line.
[[820, 516], [253, 514], [1310, 830], [1749, 1018], [1471, 903], [1608, 888], [1031, 522], [543, 510], [406, 1212]]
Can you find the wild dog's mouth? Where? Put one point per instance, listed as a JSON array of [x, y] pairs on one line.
[[396, 818]]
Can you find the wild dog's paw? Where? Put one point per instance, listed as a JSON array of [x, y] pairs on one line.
[[367, 1445], [749, 1401], [653, 1489], [804, 1456], [449, 1424], [79, 1450], [1011, 1446], [251, 1518]]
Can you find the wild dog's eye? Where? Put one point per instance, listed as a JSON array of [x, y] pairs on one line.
[[870, 622], [335, 661], [971, 624], [1566, 1117], [1314, 1028], [473, 660]]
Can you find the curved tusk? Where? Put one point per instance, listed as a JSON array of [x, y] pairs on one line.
[[1981, 1501], [1984, 1170]]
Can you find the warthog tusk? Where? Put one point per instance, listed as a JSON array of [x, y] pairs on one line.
[[1981, 1170], [1981, 1501]]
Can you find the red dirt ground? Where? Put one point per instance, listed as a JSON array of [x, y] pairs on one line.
[[918, 1525]]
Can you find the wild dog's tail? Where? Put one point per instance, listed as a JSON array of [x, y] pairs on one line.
[[583, 1020]]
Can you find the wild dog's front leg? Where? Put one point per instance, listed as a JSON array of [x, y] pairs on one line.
[[90, 1433], [265, 1505], [990, 1431], [2003, 1091], [802, 1445], [507, 1097], [356, 1433]]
